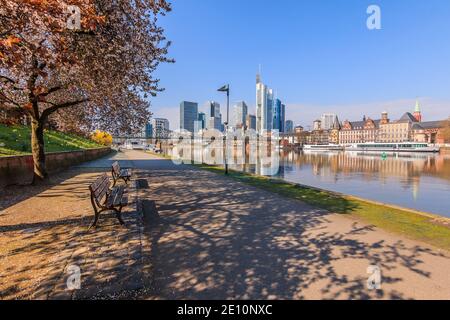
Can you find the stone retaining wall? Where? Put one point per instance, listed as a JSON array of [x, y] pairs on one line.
[[19, 169]]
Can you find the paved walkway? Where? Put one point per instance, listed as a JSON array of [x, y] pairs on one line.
[[215, 238], [219, 239]]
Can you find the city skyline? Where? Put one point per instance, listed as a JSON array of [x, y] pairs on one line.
[[335, 72], [217, 151], [308, 113]]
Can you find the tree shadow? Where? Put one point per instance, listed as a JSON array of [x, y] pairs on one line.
[[38, 247], [215, 238], [220, 239]]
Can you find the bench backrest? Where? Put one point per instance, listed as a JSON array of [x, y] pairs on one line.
[[115, 168], [99, 188]]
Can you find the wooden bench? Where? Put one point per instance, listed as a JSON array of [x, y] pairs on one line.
[[103, 198], [118, 173]]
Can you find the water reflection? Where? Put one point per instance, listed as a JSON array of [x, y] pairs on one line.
[[419, 181]]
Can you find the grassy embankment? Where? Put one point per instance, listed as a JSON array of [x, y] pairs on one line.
[[16, 140], [428, 228]]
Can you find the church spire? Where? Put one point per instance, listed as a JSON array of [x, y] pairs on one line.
[[417, 113], [417, 106]]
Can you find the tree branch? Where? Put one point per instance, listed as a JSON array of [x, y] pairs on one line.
[[7, 79], [49, 91], [55, 107], [8, 100]]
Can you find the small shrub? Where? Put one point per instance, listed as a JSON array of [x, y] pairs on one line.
[[102, 137]]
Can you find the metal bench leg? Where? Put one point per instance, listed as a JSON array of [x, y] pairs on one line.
[[96, 213], [94, 223], [119, 215]]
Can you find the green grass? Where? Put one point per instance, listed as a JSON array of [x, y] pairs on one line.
[[414, 225], [16, 140]]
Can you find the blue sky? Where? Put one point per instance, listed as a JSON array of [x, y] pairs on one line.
[[318, 55]]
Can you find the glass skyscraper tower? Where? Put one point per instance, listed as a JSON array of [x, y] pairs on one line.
[[264, 106], [188, 115], [240, 114], [214, 117]]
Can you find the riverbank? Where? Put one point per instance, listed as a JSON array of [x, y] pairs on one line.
[[426, 227], [416, 225]]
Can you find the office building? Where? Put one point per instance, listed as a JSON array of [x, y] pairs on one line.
[[213, 116], [264, 106], [276, 115], [289, 126], [160, 128], [148, 131], [327, 121], [188, 115], [250, 121], [317, 124], [240, 114], [279, 114], [201, 122], [366, 130], [282, 118]]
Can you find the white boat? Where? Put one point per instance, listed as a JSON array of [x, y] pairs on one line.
[[322, 147], [392, 147]]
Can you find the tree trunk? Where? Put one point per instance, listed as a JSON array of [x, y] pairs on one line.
[[37, 148]]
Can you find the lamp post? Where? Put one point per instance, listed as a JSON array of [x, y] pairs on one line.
[[226, 88]]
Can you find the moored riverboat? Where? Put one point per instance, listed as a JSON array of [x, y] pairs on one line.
[[393, 147], [322, 147]]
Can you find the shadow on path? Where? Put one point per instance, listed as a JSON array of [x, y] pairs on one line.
[[219, 239]]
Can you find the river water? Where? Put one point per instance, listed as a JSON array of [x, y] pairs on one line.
[[418, 181]]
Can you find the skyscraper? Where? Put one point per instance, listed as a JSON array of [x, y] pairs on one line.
[[201, 121], [250, 121], [148, 131], [289, 126], [282, 118], [276, 114], [264, 106], [188, 115], [240, 114], [213, 117], [279, 114], [327, 121]]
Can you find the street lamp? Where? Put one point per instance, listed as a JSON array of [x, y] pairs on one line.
[[226, 88]]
